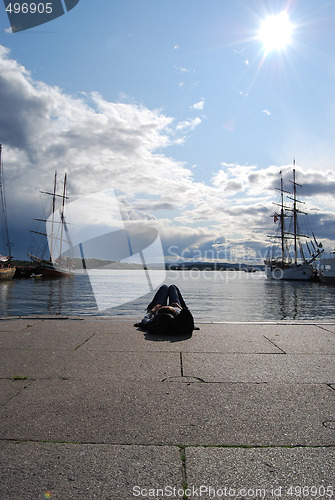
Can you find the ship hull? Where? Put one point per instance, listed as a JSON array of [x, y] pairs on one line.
[[326, 271], [329, 280], [294, 272], [50, 270], [7, 273]]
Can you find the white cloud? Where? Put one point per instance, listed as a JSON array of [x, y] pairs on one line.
[[183, 70], [188, 124], [198, 105], [266, 112]]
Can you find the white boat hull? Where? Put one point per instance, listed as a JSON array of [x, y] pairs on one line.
[[299, 272]]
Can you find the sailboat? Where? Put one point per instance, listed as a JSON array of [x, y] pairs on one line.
[[296, 266], [7, 270], [57, 233]]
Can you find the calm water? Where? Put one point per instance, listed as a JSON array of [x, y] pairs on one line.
[[211, 295]]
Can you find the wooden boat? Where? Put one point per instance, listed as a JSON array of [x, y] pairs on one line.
[[7, 273]]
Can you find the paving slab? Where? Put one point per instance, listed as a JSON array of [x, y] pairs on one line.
[[86, 407], [260, 473], [171, 412], [11, 388], [38, 338], [328, 327], [306, 339], [201, 341], [62, 471], [83, 364], [290, 338], [251, 368], [15, 325]]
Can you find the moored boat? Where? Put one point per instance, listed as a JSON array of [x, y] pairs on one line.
[[57, 265], [291, 263], [326, 268], [7, 273]]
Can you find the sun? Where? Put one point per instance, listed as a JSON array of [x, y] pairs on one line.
[[276, 32]]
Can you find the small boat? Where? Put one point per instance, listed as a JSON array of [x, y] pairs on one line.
[[326, 268], [291, 263], [57, 265], [7, 269], [6, 273]]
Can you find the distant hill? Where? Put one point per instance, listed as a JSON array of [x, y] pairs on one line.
[[214, 266], [201, 266]]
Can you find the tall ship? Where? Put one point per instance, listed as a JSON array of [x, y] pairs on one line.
[[7, 269], [296, 251], [56, 238]]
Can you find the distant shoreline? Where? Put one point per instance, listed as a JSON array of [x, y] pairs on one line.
[[27, 268]]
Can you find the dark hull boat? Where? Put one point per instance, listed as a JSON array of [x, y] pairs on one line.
[[57, 266]]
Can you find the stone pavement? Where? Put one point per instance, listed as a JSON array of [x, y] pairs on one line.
[[97, 409]]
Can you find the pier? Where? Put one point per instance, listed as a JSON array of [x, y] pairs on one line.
[[94, 408]]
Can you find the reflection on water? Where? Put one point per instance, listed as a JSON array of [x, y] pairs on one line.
[[211, 296], [301, 301], [6, 289]]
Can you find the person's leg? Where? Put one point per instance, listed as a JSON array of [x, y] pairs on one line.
[[160, 297], [173, 295]]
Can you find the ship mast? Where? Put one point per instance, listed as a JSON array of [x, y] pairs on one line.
[[62, 216], [282, 220], [295, 215], [295, 211], [3, 207], [52, 236], [53, 215]]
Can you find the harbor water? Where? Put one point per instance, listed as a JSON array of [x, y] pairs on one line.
[[210, 295]]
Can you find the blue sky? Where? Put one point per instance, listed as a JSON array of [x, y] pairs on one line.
[[176, 106]]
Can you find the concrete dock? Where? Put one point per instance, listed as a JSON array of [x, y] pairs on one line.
[[96, 409]]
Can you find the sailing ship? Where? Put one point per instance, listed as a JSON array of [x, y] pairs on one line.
[[287, 266], [58, 265], [7, 269]]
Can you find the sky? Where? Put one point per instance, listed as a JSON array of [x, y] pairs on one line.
[[182, 108]]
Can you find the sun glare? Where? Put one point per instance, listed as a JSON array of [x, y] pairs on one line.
[[275, 32]]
